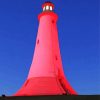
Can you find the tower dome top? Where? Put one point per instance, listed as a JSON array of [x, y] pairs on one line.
[[48, 6], [48, 2]]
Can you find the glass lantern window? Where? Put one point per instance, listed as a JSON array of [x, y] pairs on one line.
[[47, 7], [51, 8], [43, 8]]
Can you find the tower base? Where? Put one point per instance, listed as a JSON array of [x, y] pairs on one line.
[[41, 86]]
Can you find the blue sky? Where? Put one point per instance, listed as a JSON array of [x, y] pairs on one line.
[[78, 27]]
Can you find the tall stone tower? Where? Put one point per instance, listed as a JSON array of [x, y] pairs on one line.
[[46, 76]]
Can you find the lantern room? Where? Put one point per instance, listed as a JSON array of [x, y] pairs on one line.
[[48, 6]]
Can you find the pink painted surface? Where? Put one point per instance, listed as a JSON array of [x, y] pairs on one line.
[[44, 57], [46, 76]]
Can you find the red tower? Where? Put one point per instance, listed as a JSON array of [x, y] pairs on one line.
[[46, 76]]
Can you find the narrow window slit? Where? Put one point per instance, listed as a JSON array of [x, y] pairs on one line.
[[53, 21], [56, 57], [37, 41]]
